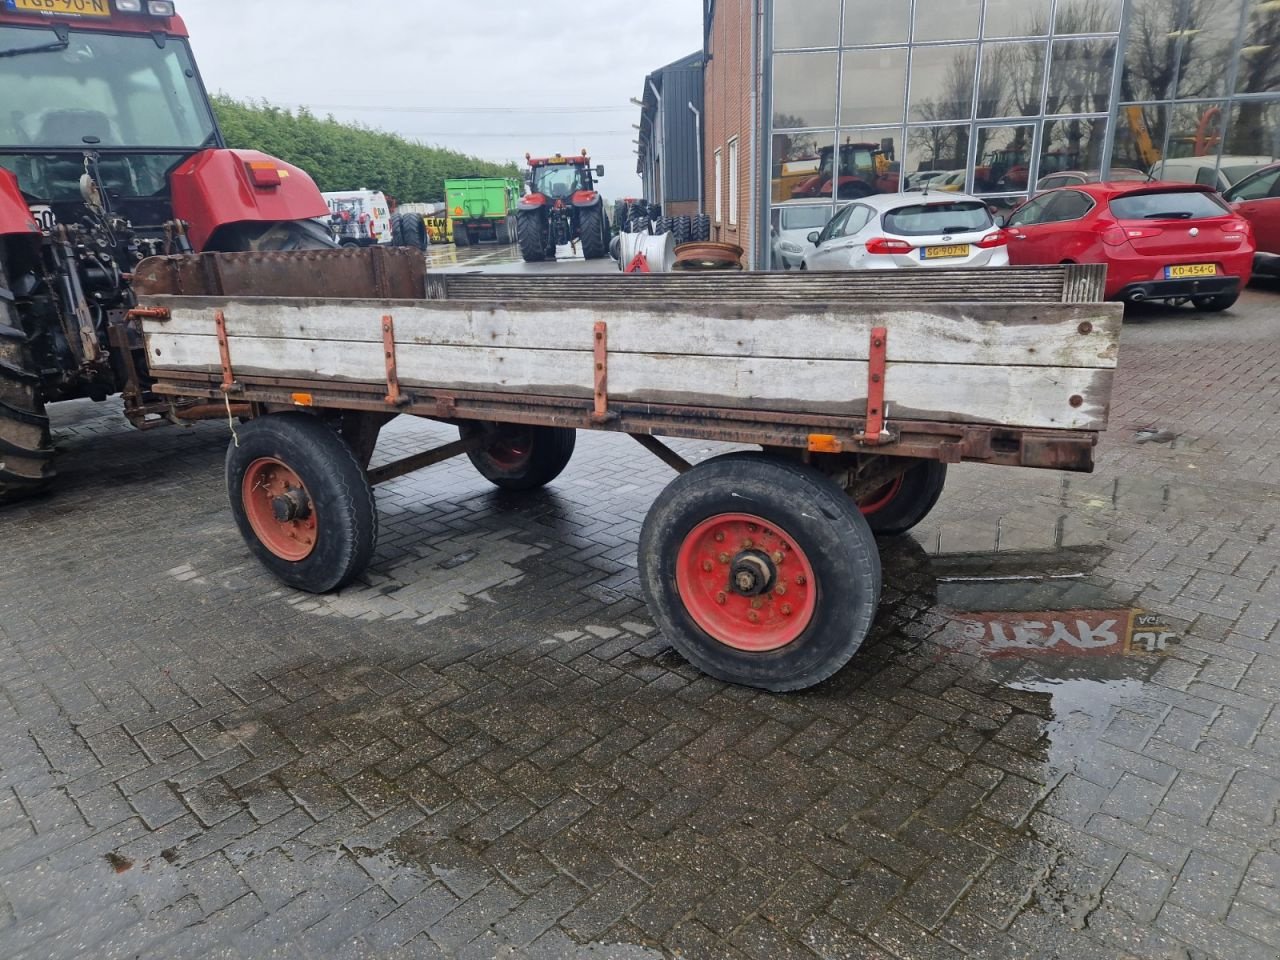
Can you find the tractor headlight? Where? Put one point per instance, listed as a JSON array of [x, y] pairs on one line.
[[160, 8], [129, 6]]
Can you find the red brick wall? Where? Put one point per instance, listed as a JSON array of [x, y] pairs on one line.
[[728, 79], [680, 208]]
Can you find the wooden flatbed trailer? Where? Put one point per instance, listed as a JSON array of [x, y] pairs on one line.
[[760, 567]]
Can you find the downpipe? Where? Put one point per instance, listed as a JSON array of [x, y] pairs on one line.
[[697, 137]]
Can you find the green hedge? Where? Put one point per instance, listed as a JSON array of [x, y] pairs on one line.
[[343, 156]]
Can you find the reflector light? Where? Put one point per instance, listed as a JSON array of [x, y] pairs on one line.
[[129, 6], [264, 175], [884, 245], [160, 8]]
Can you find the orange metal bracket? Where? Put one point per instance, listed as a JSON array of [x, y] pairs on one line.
[[874, 432], [224, 351], [601, 411], [389, 350]]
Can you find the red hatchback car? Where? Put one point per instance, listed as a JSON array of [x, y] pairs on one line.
[[1257, 199], [1160, 241]]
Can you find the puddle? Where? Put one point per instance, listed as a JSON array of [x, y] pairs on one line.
[[1082, 708]]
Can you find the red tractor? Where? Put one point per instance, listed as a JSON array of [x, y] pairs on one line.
[[562, 206], [109, 153], [865, 169]]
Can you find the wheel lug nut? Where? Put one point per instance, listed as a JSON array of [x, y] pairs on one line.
[[753, 616], [748, 544], [724, 558], [757, 603], [786, 609], [800, 580], [777, 557], [721, 597], [706, 565], [720, 537], [780, 589]]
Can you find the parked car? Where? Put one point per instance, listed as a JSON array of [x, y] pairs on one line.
[[910, 230], [918, 179], [1257, 199], [1070, 178], [952, 181], [793, 221], [1208, 171], [1160, 241]]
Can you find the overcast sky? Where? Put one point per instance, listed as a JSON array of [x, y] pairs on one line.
[[492, 78]]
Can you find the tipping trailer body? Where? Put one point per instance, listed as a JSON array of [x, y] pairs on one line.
[[841, 389]]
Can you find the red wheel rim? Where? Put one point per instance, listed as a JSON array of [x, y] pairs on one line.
[[511, 448], [717, 559], [879, 499], [279, 509]]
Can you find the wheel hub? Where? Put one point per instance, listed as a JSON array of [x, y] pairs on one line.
[[752, 574], [292, 504], [279, 509]]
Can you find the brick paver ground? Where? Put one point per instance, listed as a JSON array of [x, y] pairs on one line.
[[484, 750]]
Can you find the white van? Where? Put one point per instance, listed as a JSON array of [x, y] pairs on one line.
[[359, 218], [1208, 171]]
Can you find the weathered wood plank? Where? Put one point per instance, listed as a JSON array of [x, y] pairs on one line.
[[1026, 396], [1047, 335]]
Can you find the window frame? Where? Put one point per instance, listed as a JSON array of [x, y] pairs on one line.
[[731, 147], [718, 164]]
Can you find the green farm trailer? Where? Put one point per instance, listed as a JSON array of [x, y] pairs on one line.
[[483, 208]]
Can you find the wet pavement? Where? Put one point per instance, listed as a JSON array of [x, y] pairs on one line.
[[1060, 740], [505, 258]]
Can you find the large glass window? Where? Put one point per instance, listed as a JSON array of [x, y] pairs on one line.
[[1011, 83], [806, 23], [1080, 76], [1139, 138], [796, 158], [804, 90], [1259, 70], [933, 152], [1254, 130], [1017, 18], [1090, 16], [1073, 143], [876, 21], [942, 82], [946, 19], [1003, 157], [866, 163], [873, 86]]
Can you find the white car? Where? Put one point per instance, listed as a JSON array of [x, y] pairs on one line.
[[792, 222], [912, 230], [1208, 171]]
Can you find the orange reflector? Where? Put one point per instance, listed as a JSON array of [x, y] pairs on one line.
[[824, 443], [302, 399]]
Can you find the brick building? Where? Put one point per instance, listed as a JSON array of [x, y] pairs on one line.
[[819, 101]]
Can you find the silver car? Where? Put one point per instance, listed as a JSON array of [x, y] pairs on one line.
[[792, 221], [904, 231]]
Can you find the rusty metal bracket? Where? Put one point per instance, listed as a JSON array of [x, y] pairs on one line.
[[601, 412], [393, 397], [148, 313], [874, 433], [229, 383]]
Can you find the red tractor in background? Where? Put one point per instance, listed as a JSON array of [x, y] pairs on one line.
[[865, 169], [562, 206], [109, 154]]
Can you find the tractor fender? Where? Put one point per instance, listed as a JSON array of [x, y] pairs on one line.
[[218, 187], [534, 201], [586, 198], [15, 217]]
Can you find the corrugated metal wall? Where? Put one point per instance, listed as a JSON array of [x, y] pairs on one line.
[[680, 87]]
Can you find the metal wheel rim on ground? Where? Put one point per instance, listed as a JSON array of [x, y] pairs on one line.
[[746, 583], [279, 508]]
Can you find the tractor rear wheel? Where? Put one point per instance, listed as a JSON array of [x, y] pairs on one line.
[[531, 230], [284, 235], [26, 450], [414, 231], [594, 232], [397, 230]]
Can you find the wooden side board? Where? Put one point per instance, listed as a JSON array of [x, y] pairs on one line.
[[1032, 365]]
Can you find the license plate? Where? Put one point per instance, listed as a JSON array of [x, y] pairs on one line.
[[67, 8], [1190, 270], [939, 253]]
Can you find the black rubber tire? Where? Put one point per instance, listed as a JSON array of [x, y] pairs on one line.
[[397, 230], [1216, 304], [593, 232], [921, 487], [853, 191], [701, 228], [347, 518], [461, 236], [531, 232], [282, 235], [26, 448], [549, 450], [639, 225], [504, 231], [816, 516], [680, 230], [639, 211], [621, 214], [414, 230], [655, 211], [662, 226]]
